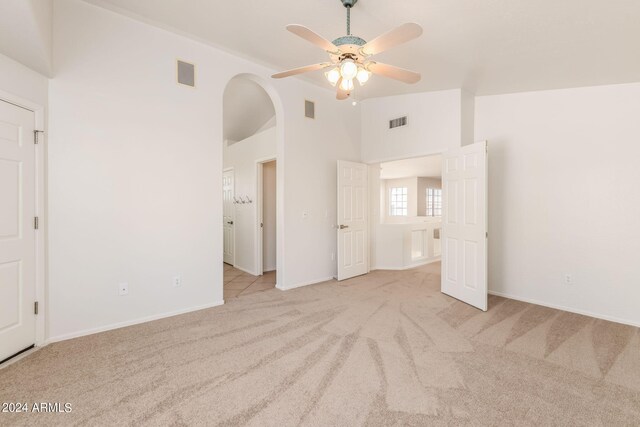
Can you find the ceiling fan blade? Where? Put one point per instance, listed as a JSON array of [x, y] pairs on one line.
[[399, 35], [307, 34], [393, 72], [341, 94], [301, 70]]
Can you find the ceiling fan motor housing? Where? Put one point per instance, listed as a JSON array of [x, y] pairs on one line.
[[340, 41]]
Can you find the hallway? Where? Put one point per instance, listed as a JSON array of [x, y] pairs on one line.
[[238, 283]]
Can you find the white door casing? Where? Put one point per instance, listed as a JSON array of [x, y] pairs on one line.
[[266, 213], [228, 209], [352, 223], [17, 233], [464, 226]]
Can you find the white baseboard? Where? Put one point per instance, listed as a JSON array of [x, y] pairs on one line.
[[569, 309], [124, 324], [408, 267], [299, 285]]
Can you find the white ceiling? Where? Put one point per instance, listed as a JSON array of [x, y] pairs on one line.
[[486, 46], [25, 32], [425, 167], [246, 109]]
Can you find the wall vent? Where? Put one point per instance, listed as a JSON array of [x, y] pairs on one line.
[[186, 74], [396, 123], [309, 109]]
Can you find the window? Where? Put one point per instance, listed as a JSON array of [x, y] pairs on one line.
[[398, 201], [434, 202]]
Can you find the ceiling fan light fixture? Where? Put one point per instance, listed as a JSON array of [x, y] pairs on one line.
[[348, 69], [363, 76], [346, 85], [333, 76], [349, 55]]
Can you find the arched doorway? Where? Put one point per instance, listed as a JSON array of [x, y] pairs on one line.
[[252, 187]]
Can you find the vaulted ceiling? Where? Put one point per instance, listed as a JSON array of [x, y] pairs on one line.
[[25, 32], [247, 109], [487, 46]]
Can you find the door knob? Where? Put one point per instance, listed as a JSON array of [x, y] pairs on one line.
[[342, 227], [230, 222]]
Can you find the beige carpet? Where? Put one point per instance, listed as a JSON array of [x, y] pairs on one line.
[[382, 349]]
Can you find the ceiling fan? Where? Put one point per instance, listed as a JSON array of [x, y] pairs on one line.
[[350, 56]]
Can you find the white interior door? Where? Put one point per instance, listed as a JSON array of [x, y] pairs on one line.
[[17, 233], [464, 225], [353, 227], [228, 209]]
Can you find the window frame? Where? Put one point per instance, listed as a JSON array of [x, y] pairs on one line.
[[433, 202], [399, 203]]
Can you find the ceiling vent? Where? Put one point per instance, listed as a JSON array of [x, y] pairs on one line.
[[309, 109], [396, 123], [186, 74]]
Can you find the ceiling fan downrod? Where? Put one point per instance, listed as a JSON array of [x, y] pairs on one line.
[[349, 4]]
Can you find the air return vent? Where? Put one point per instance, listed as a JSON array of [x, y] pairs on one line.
[[309, 109], [186, 74], [396, 123]]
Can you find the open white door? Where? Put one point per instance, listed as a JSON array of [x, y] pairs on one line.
[[353, 225], [17, 230], [227, 216], [464, 225]]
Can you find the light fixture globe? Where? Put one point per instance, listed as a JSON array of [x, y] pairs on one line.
[[333, 76], [363, 76], [346, 85], [348, 69]]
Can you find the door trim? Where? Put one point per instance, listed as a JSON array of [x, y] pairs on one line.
[[224, 170], [41, 265], [259, 231]]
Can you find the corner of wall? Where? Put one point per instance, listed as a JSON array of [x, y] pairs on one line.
[[467, 117]]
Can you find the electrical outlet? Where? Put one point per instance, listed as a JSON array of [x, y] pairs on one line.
[[176, 280], [123, 288], [568, 279]]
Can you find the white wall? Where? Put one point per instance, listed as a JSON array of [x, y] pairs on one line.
[[26, 34], [310, 180], [135, 171], [563, 197], [242, 157], [435, 123], [269, 216], [18, 80]]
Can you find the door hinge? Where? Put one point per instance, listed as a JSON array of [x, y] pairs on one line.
[[486, 234], [35, 307], [36, 138], [35, 222]]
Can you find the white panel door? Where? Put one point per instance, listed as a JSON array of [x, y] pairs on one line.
[[353, 226], [17, 234], [228, 209], [464, 224]]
